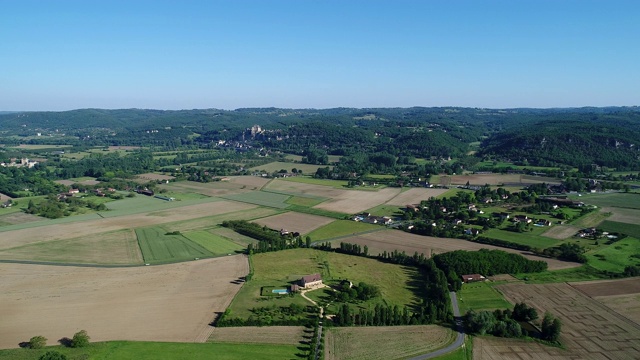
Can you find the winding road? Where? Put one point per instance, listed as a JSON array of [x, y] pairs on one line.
[[459, 339]]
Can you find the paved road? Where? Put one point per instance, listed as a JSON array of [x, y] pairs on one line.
[[459, 339]]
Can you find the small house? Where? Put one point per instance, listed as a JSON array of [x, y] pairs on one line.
[[472, 278], [311, 281]]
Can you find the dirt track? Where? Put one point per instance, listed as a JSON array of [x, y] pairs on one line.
[[156, 303]]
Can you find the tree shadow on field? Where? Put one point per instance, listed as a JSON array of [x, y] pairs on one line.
[[218, 315], [24, 344], [65, 341], [417, 286]]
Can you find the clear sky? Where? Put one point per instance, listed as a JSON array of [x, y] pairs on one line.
[[61, 55]]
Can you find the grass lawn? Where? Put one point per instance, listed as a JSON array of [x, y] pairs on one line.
[[339, 184], [216, 244], [341, 228], [130, 350], [284, 267], [278, 165], [385, 210], [480, 296], [157, 247], [625, 228], [625, 200], [305, 201], [263, 198], [617, 256], [582, 273], [592, 219], [531, 238]]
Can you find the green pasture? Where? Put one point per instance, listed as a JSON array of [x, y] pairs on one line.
[[581, 273], [616, 256], [210, 222], [130, 350], [141, 204], [263, 198], [304, 201], [214, 243], [531, 238], [341, 228], [480, 296], [385, 210], [339, 184], [624, 228], [592, 219], [157, 247], [279, 165], [316, 211], [624, 200], [285, 267]]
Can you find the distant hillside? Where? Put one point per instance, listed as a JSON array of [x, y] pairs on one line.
[[610, 141]]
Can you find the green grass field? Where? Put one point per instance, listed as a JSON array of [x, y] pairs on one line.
[[582, 273], [480, 296], [141, 204], [339, 184], [341, 228], [129, 350], [532, 238], [261, 198], [617, 256], [157, 247], [304, 201], [385, 210], [283, 267], [216, 244], [625, 200], [625, 228]]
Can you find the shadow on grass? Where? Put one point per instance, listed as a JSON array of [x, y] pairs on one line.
[[65, 341], [417, 286]]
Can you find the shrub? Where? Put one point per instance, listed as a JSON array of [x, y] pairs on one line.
[[52, 355], [80, 339], [37, 342]]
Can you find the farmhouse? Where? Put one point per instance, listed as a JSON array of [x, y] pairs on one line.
[[311, 281], [472, 278]]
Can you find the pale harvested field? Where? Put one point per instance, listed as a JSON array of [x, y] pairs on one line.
[[609, 287], [118, 247], [493, 348], [497, 179], [294, 222], [354, 201], [114, 148], [10, 239], [19, 218], [385, 342], [249, 181], [390, 240], [561, 232], [630, 216], [414, 196], [154, 303], [152, 176], [625, 305], [293, 188], [590, 330], [287, 335]]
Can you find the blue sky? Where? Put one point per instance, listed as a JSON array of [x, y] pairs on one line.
[[61, 55]]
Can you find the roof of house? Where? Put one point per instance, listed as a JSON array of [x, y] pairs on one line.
[[473, 277], [311, 278]]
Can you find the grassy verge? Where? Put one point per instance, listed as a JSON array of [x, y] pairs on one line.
[[129, 350], [463, 353], [481, 296]]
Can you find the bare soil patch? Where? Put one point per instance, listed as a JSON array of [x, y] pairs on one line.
[[10, 239], [287, 335], [385, 342], [154, 303], [609, 287], [492, 348], [154, 177], [19, 218], [354, 201], [414, 196], [390, 240], [293, 221], [561, 232], [4, 197], [590, 330]]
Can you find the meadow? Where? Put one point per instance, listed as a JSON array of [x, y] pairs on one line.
[[623, 200], [214, 243], [130, 350], [617, 256], [263, 198], [531, 238], [158, 247], [624, 228], [340, 228], [480, 296]]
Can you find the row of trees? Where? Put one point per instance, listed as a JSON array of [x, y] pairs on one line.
[[380, 315], [507, 323]]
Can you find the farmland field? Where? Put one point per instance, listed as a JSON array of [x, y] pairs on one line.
[[390, 240], [561, 232], [155, 177], [385, 342], [341, 228], [525, 238], [261, 198], [290, 335], [627, 305], [622, 296], [589, 329], [214, 243], [414, 196], [592, 219], [617, 256], [630, 229], [497, 179], [158, 247], [494, 348], [40, 147], [217, 188], [480, 296], [154, 303], [623, 200], [322, 182], [354, 201], [280, 268], [278, 165], [314, 187], [233, 236], [294, 222], [117, 247]]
